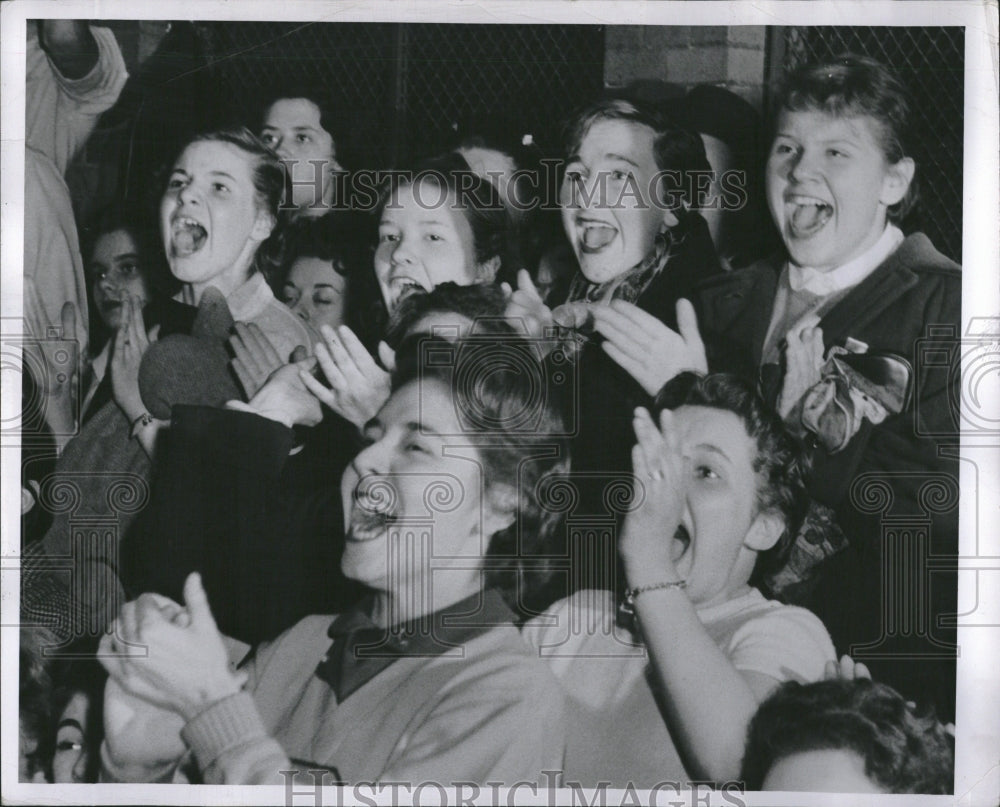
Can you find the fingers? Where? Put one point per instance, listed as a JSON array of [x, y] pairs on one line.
[[636, 317], [197, 602], [335, 378], [324, 395], [571, 315], [387, 356], [67, 318], [687, 322], [617, 329], [527, 286], [154, 334], [506, 289], [359, 355]]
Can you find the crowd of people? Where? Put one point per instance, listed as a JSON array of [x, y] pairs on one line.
[[437, 490]]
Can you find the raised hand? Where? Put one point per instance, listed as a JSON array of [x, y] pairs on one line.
[[661, 479], [358, 386], [131, 343], [255, 357], [847, 669], [285, 397], [647, 349], [172, 657], [526, 310]]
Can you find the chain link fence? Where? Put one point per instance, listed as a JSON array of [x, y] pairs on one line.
[[931, 63], [407, 91]]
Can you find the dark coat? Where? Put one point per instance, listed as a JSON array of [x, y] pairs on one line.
[[893, 479], [262, 525]]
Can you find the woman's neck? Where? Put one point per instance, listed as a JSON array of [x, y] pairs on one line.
[[408, 603], [226, 282]]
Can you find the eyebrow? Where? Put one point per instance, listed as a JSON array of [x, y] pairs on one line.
[[126, 255], [622, 157], [422, 428], [70, 723], [714, 450]]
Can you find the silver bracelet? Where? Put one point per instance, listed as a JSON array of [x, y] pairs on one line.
[[628, 604]]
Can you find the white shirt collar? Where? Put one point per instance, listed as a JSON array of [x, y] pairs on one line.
[[822, 284]]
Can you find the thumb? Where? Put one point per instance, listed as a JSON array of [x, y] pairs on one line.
[[506, 289], [525, 283], [388, 356], [196, 601], [299, 354], [154, 333], [687, 322], [68, 320]]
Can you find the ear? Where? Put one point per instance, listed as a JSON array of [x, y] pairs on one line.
[[262, 226], [486, 272], [764, 532], [669, 219], [499, 507], [897, 181]]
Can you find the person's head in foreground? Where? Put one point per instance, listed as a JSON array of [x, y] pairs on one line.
[[624, 184], [454, 453], [746, 497], [839, 167], [846, 736], [441, 223], [449, 311], [219, 207]]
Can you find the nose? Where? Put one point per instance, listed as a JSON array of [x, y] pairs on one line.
[[302, 311], [107, 284], [281, 148], [802, 165], [402, 253], [188, 195]]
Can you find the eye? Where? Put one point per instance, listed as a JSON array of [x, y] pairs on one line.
[[434, 237], [618, 175], [303, 138], [289, 295], [268, 139], [175, 183], [413, 447], [128, 268], [783, 148], [388, 238], [220, 188], [69, 745], [705, 472], [836, 153], [574, 176]]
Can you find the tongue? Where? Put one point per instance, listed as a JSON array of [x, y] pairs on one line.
[[188, 239], [809, 218], [598, 237]]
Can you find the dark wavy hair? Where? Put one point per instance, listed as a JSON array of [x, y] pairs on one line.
[[675, 147], [482, 303], [477, 199], [269, 184], [780, 463], [505, 404], [904, 750], [851, 86]]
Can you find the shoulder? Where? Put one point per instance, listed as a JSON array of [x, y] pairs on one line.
[[918, 254], [306, 637], [784, 641]]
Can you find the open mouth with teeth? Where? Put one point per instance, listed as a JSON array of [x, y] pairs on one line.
[[594, 235], [370, 515], [399, 287], [187, 236], [806, 215]]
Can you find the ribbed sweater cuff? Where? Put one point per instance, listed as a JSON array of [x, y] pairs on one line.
[[231, 722]]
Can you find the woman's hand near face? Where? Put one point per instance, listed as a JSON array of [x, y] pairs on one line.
[[285, 397], [526, 310], [170, 656], [647, 349], [255, 358], [661, 476], [358, 386], [131, 343]]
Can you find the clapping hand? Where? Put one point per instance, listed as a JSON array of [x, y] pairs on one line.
[[358, 386], [647, 349], [131, 343]]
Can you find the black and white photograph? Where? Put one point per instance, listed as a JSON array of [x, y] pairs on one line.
[[500, 403]]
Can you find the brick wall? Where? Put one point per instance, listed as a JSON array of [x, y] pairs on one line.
[[732, 57]]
